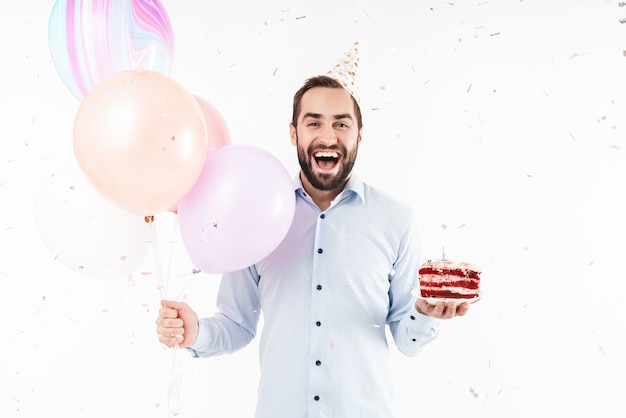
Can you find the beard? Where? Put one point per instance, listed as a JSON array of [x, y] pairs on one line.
[[327, 182]]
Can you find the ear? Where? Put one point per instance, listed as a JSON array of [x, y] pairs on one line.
[[293, 134], [360, 137]]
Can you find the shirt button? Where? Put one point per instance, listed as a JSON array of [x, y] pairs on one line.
[[412, 317], [318, 363], [319, 251], [318, 323], [316, 398], [319, 287], [322, 216]]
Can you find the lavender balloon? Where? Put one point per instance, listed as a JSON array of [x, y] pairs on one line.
[[238, 211], [91, 40]]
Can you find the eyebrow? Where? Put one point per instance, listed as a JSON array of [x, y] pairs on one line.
[[319, 116]]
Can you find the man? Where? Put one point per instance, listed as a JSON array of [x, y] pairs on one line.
[[345, 270]]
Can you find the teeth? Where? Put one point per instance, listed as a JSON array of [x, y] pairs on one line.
[[326, 154]]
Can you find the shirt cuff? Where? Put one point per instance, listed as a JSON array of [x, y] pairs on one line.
[[201, 340], [421, 322]]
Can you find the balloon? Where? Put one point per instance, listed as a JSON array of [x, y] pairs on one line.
[[141, 139], [86, 232], [91, 40], [239, 210], [217, 131]]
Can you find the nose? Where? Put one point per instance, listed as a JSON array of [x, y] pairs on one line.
[[328, 135]]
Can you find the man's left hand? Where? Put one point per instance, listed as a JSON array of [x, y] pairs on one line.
[[441, 310]]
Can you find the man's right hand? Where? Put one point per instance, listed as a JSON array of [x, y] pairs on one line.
[[177, 323]]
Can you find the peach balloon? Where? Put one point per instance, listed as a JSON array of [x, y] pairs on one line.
[[141, 139]]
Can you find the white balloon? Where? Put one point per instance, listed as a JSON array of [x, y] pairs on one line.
[[86, 232]]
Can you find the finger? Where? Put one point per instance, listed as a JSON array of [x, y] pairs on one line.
[[167, 332], [164, 322], [170, 341], [462, 309], [164, 332], [171, 304], [449, 310], [168, 313], [423, 307], [439, 309], [171, 332], [169, 324]]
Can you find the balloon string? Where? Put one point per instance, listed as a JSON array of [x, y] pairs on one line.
[[177, 367], [189, 275], [157, 257], [171, 254], [173, 395], [176, 377]]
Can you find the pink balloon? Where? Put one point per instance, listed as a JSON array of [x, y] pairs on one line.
[[91, 40], [238, 211], [217, 130], [141, 139]]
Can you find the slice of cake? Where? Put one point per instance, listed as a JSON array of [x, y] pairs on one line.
[[447, 279]]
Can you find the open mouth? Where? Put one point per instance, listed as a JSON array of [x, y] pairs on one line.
[[326, 159]]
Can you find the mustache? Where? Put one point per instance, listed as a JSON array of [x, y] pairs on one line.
[[334, 147]]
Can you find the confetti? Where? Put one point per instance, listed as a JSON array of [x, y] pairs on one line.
[[473, 392]]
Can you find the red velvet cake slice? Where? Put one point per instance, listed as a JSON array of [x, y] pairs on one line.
[[447, 279]]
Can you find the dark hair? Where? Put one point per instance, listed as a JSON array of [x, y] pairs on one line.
[[321, 81]]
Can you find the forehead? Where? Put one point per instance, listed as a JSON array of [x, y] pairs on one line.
[[327, 101]]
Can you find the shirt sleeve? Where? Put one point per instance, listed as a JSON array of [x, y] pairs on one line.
[[235, 323], [414, 331], [410, 329]]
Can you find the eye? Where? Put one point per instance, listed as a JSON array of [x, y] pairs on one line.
[[312, 124], [342, 125]]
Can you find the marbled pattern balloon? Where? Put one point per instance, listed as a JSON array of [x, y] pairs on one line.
[[91, 40]]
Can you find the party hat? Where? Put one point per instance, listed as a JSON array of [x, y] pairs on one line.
[[345, 71]]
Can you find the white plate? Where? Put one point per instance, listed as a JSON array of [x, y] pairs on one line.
[[434, 301]]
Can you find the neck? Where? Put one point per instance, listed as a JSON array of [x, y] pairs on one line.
[[322, 198]]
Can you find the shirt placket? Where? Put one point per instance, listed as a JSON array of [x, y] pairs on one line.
[[318, 394]]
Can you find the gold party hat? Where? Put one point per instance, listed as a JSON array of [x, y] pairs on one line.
[[346, 70]]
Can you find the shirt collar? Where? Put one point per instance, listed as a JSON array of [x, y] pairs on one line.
[[355, 185]]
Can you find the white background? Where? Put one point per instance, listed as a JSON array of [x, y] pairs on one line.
[[502, 122]]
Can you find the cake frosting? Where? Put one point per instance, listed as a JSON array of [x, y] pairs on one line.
[[449, 279]]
